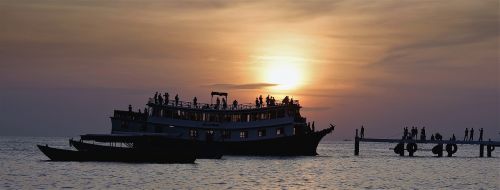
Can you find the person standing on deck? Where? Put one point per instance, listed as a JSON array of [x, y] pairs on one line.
[[466, 134], [176, 99], [481, 134], [422, 134], [156, 98], [235, 104], [195, 102], [471, 137], [166, 98], [260, 100], [362, 132]]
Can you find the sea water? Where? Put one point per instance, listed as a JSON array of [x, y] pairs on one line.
[[23, 166]]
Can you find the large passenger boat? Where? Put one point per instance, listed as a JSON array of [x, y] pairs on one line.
[[270, 128]]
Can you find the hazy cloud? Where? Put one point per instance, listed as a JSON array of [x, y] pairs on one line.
[[241, 86]]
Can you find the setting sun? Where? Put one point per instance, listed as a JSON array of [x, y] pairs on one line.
[[283, 71]]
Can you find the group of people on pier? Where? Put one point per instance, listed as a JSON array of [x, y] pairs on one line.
[[413, 133], [469, 134]]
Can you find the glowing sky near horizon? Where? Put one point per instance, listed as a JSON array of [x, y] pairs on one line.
[[65, 65]]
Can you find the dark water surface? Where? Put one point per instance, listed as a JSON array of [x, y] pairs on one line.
[[23, 166]]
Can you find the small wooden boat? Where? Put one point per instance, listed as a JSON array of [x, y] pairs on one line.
[[202, 150], [123, 155]]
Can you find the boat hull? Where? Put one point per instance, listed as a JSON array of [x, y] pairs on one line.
[[201, 150], [132, 155]]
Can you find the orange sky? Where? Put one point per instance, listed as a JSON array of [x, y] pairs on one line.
[[383, 64]]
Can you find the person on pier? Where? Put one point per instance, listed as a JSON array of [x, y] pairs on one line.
[[362, 132], [129, 108], [195, 102], [453, 137], [176, 99], [422, 134], [481, 134], [432, 137], [405, 133], [471, 136], [466, 136], [438, 137]]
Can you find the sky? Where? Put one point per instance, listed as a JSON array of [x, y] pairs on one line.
[[66, 65]]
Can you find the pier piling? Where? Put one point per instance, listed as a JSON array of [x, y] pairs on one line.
[[481, 150], [356, 146], [410, 145]]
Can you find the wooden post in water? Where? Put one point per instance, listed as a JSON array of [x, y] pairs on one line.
[[481, 150], [489, 149], [356, 146]]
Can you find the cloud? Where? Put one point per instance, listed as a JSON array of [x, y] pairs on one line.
[[241, 86]]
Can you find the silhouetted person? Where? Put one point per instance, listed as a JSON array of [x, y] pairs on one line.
[[438, 137], [160, 100], [146, 111], [257, 102], [235, 104], [471, 136], [453, 137], [291, 101], [466, 136], [422, 134], [481, 134], [176, 99], [260, 100], [195, 101], [156, 98], [432, 137], [130, 108], [405, 133], [313, 129], [166, 95], [224, 103], [362, 132], [268, 100], [217, 103]]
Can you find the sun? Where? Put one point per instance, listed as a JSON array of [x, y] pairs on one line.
[[283, 71]]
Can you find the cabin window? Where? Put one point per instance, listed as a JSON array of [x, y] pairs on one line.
[[261, 133], [124, 125], [193, 133], [210, 132], [244, 134], [226, 134], [280, 131]]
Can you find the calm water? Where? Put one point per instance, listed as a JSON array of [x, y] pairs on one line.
[[23, 166]]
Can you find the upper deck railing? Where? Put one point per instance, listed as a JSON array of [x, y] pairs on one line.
[[229, 107]]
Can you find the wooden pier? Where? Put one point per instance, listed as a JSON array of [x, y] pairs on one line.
[[450, 146]]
